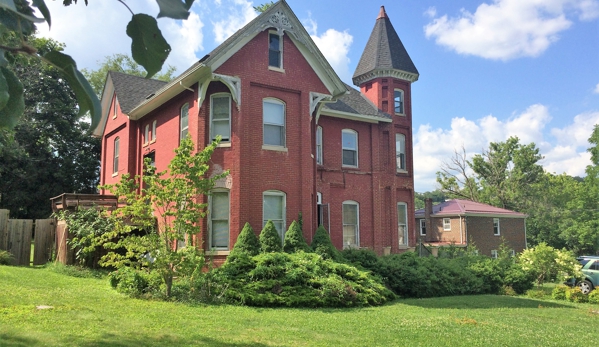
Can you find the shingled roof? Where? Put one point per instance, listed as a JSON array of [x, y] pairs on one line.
[[355, 102], [132, 90], [467, 207], [384, 50]]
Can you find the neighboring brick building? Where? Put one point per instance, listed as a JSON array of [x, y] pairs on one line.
[[457, 222], [295, 137]]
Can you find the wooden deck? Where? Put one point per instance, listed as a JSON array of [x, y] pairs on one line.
[[71, 202]]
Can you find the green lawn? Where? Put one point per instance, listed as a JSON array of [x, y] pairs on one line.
[[87, 312]]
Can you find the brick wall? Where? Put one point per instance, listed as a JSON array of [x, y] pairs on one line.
[[480, 230]]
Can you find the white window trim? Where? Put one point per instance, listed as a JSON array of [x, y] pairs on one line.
[[276, 68], [406, 234], [319, 151], [494, 254], [220, 95], [350, 131], [153, 131], [210, 219], [357, 204], [446, 224], [423, 226], [403, 102], [402, 151], [498, 233], [264, 220], [115, 155], [146, 134], [181, 128], [279, 102]]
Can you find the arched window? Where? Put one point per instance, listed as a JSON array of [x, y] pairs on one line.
[[319, 145], [273, 115], [274, 209], [402, 223], [218, 202], [115, 157], [351, 224], [220, 116], [184, 122], [349, 144]]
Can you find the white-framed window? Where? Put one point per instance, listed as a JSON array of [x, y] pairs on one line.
[[494, 254], [220, 116], [275, 50], [219, 219], [400, 152], [349, 144], [351, 224], [423, 227], [274, 209], [273, 115], [496, 229], [184, 122], [147, 134], [319, 145], [446, 224], [153, 131], [398, 101], [402, 223], [115, 107], [115, 156], [512, 252]]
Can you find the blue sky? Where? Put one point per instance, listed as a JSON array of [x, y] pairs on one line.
[[488, 69]]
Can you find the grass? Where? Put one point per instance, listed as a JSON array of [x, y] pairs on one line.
[[87, 312]]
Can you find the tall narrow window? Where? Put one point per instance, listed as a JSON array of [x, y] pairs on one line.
[[398, 101], [274, 51], [184, 122], [423, 227], [147, 134], [402, 223], [115, 107], [349, 139], [220, 116], [494, 254], [496, 230], [154, 131], [319, 145], [115, 157], [273, 113], [351, 224], [400, 152], [273, 208], [219, 220]]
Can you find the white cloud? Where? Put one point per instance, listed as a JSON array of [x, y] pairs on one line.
[[596, 91], [335, 45], [186, 40], [508, 29], [240, 12], [565, 151]]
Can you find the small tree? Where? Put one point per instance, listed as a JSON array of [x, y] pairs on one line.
[[548, 263], [247, 242], [322, 245], [270, 241], [294, 239], [175, 195]]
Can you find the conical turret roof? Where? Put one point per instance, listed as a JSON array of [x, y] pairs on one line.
[[384, 51]]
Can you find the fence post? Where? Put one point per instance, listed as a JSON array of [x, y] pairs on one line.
[[4, 230]]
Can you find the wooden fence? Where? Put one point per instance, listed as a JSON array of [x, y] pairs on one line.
[[16, 236]]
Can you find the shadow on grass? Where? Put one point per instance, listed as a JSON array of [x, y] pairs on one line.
[[481, 302], [112, 340]]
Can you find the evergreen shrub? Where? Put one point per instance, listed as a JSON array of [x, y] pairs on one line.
[[247, 241], [322, 245], [294, 239], [270, 241]]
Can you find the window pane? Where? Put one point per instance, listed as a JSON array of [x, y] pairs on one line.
[[274, 42], [220, 205], [400, 146], [154, 131], [273, 207], [274, 113], [349, 236], [220, 108], [350, 214], [401, 214], [398, 102], [220, 234], [349, 157], [402, 235], [274, 58], [349, 140], [221, 128], [274, 50], [274, 135]]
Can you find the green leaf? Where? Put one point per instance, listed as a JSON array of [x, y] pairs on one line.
[[174, 8], [10, 6], [3, 61], [4, 94], [13, 110], [86, 97], [148, 47], [41, 5]]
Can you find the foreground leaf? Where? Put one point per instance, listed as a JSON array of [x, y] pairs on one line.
[[15, 105], [148, 47], [41, 5], [4, 94], [174, 8], [86, 97]]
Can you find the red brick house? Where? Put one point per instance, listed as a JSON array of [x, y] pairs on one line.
[[295, 138], [457, 222]]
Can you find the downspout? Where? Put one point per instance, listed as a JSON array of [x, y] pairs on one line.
[[461, 232], [525, 237]]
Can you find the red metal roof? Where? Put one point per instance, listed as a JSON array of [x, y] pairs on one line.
[[463, 207]]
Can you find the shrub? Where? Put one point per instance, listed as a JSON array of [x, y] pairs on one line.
[[297, 280], [559, 292], [322, 245], [247, 241], [507, 290], [574, 294], [294, 239], [535, 293], [594, 296], [365, 258], [270, 241], [6, 258], [135, 283], [519, 279]]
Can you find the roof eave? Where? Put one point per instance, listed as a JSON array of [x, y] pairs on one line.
[[354, 116], [107, 94], [393, 73]]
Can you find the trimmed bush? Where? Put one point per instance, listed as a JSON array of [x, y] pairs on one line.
[[365, 258], [247, 242], [594, 296], [559, 292], [134, 283], [574, 294], [270, 241], [298, 280], [322, 245], [518, 278], [6, 258], [294, 239]]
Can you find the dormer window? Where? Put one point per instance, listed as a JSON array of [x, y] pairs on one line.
[[275, 51]]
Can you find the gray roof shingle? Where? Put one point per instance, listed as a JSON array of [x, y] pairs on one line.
[[384, 50], [132, 90], [355, 102]]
